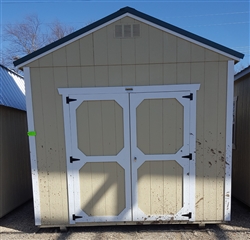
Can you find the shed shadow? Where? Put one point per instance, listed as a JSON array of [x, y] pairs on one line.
[[21, 221]]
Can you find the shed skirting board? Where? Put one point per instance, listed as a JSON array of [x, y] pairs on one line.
[[87, 224], [228, 163], [32, 145]]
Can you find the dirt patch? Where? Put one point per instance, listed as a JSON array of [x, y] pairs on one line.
[[19, 224]]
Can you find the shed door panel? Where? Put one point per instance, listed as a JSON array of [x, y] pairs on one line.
[[100, 145], [159, 140], [130, 157]]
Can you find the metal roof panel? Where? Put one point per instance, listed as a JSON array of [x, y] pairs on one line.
[[12, 89], [242, 73]]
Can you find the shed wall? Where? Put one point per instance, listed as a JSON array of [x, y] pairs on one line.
[[241, 154], [154, 58], [15, 173]]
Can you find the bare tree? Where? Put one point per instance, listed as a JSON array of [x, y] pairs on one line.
[[58, 30], [28, 36]]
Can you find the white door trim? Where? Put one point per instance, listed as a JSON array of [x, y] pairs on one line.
[[140, 89], [188, 88]]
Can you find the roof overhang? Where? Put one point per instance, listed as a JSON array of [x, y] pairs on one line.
[[130, 12], [242, 73]]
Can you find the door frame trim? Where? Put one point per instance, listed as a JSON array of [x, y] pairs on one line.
[[126, 89], [65, 92]]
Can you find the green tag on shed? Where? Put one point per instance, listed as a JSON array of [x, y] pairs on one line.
[[31, 133]]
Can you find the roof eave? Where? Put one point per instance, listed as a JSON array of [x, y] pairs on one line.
[[21, 62], [120, 13], [243, 73]]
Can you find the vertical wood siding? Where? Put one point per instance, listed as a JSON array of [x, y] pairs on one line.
[[15, 172], [154, 58], [241, 154], [158, 119], [100, 128], [160, 187]]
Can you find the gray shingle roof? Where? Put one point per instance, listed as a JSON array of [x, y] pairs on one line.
[[12, 89]]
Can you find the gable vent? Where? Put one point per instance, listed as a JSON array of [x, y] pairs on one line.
[[127, 31], [118, 31]]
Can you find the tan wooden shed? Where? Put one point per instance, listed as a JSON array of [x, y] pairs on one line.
[[241, 137], [131, 120], [15, 177]]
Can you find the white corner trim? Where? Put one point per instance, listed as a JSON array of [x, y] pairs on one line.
[[228, 162], [32, 145]]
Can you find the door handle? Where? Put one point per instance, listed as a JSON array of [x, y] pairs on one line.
[[135, 158]]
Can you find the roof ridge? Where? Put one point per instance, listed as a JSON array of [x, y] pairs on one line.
[[138, 14]]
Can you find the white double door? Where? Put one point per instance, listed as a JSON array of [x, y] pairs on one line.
[[130, 155]]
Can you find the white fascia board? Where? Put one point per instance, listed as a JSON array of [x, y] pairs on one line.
[[139, 19], [229, 122], [132, 89], [32, 145]]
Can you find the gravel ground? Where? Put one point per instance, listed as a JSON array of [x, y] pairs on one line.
[[19, 224]]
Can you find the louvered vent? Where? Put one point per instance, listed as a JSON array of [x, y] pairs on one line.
[[118, 31], [127, 31]]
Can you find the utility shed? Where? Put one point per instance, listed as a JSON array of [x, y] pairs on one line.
[[15, 172], [241, 137], [131, 120]]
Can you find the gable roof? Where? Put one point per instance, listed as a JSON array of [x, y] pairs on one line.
[[127, 11], [12, 89]]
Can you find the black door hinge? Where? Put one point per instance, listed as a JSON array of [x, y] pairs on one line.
[[190, 156], [75, 217], [129, 89], [68, 100], [73, 159], [189, 215], [190, 96]]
